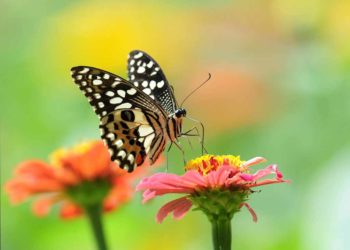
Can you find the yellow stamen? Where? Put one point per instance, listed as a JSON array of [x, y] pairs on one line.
[[207, 163]]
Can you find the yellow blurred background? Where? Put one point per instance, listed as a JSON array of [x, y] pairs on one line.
[[279, 88]]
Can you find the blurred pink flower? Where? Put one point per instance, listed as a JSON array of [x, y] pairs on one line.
[[211, 183]]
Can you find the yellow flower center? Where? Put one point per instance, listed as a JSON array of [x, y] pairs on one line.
[[207, 163], [60, 153]]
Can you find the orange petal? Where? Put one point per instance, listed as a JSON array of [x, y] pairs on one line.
[[90, 163], [42, 206], [119, 194], [70, 210]]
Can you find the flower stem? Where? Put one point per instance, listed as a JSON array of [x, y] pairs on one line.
[[94, 213], [221, 233]]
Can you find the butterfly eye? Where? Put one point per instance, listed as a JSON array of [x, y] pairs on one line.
[[180, 113]]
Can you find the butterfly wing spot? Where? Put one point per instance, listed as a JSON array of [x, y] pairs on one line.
[[119, 143], [97, 82], [111, 136], [97, 95], [122, 154], [160, 84], [150, 64], [131, 158], [121, 93], [123, 106], [131, 91], [115, 100], [84, 70], [152, 84], [138, 55], [141, 70], [115, 84], [147, 91], [110, 93]]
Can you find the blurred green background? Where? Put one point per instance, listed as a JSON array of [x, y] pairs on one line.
[[279, 88]]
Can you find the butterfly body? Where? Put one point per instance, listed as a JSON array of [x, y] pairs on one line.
[[137, 116]]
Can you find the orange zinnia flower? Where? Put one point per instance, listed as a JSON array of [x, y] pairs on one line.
[[75, 178]]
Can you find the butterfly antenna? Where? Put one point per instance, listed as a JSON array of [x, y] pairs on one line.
[[193, 91]]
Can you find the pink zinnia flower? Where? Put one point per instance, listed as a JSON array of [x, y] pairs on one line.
[[217, 185]]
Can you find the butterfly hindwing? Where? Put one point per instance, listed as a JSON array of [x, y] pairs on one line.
[[145, 73], [128, 136], [129, 119]]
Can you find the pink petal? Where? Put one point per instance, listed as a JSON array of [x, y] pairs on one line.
[[224, 174], [211, 179], [178, 207], [268, 181], [148, 195], [194, 177], [255, 160], [262, 173], [255, 218], [163, 181]]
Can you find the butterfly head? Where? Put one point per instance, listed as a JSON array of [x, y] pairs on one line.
[[180, 113]]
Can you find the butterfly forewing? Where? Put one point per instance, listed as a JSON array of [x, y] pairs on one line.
[[130, 120], [145, 73]]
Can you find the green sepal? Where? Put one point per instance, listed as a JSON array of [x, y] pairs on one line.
[[89, 193], [219, 203]]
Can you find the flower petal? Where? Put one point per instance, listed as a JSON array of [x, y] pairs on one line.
[[42, 206], [178, 207], [252, 212], [70, 210], [163, 183], [253, 161], [262, 173], [32, 177], [120, 193]]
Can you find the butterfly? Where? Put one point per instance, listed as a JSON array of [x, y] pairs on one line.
[[138, 116]]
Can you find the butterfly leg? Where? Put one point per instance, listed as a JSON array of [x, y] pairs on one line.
[[202, 137], [188, 132], [200, 141], [181, 149], [189, 142], [167, 156]]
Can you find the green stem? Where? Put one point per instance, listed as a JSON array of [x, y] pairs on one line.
[[221, 233], [94, 213]]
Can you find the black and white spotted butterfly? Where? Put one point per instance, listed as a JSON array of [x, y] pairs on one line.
[[137, 117]]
